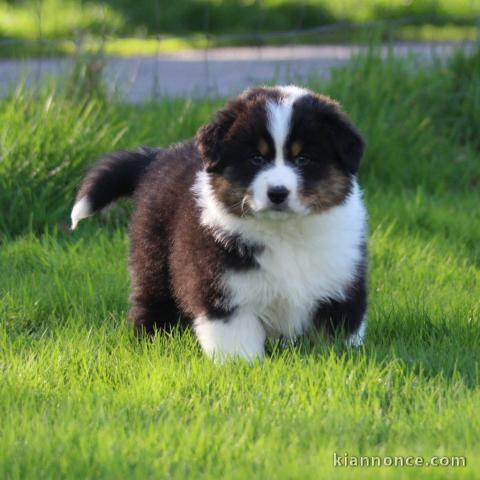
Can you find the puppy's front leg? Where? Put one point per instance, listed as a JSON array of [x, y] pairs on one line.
[[239, 335]]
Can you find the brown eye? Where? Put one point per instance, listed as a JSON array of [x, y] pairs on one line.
[[258, 160], [301, 161]]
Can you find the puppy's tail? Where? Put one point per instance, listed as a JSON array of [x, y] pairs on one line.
[[116, 175]]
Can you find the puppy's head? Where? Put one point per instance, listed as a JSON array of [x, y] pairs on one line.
[[282, 149]]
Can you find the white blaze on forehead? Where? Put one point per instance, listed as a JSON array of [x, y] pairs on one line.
[[293, 91], [279, 115], [279, 174]]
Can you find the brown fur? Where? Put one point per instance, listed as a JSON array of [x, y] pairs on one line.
[[326, 193], [263, 147], [296, 148], [233, 198]]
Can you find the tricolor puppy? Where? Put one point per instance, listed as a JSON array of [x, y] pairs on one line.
[[254, 229]]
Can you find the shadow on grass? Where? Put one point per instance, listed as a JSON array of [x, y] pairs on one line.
[[419, 345]]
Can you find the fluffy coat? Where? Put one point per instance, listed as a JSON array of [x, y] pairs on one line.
[[254, 229]]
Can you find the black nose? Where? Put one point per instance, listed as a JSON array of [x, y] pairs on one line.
[[277, 195]]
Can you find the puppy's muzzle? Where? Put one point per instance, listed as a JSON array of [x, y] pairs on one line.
[[278, 194]]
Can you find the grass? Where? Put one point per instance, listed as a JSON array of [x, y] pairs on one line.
[[133, 27], [80, 398]]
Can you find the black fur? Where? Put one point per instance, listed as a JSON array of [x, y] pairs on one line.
[[116, 175], [344, 317]]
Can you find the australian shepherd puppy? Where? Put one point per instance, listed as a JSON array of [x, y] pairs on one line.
[[254, 229]]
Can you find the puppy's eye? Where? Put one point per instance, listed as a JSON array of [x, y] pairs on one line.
[[301, 161], [258, 160]]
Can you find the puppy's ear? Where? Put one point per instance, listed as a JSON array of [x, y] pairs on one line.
[[348, 142], [211, 137]]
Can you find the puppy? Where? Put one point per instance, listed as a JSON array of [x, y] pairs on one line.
[[254, 229]]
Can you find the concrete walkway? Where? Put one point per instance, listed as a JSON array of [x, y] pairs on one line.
[[216, 72]]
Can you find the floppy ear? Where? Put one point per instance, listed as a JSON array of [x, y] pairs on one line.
[[348, 142], [210, 138]]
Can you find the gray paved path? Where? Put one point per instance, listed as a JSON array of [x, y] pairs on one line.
[[216, 72]]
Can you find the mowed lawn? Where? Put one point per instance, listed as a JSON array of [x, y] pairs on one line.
[[81, 398]]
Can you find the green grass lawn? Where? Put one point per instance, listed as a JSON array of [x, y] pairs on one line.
[[133, 27], [81, 398]]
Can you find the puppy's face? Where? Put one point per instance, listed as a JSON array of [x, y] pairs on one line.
[[280, 151]]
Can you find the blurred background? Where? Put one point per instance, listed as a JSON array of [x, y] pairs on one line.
[[149, 48], [78, 78]]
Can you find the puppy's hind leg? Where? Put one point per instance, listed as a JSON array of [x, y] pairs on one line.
[[152, 305], [239, 335], [151, 316]]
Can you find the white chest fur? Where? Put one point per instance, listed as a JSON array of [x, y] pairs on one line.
[[305, 259]]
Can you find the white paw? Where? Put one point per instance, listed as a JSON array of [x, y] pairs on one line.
[[356, 339], [242, 335]]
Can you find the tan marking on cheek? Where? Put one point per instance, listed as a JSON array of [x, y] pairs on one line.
[[235, 199], [263, 147], [327, 193], [297, 146]]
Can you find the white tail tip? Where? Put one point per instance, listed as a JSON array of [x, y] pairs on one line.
[[80, 210]]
